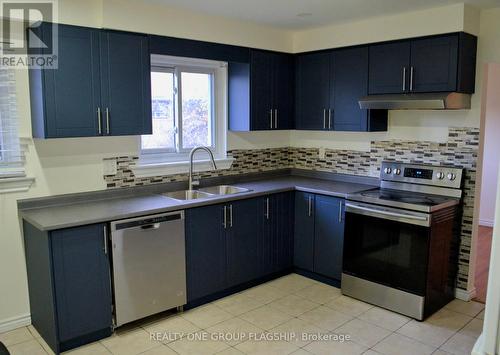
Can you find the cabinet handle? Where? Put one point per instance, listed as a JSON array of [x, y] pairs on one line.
[[271, 118], [107, 120], [329, 119], [99, 124], [324, 118], [411, 78], [340, 211], [267, 208], [224, 223], [231, 216], [275, 118], [404, 79], [309, 208], [105, 240]]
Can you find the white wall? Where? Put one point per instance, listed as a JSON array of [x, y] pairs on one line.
[[491, 157], [74, 165]]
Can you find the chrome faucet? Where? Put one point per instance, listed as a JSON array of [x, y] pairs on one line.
[[191, 155]]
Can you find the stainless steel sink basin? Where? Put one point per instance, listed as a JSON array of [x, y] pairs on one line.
[[224, 190], [188, 195]]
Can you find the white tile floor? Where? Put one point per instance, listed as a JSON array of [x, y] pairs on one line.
[[291, 306]]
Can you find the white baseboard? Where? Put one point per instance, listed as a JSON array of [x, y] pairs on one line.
[[486, 222], [478, 348], [14, 323], [465, 295]]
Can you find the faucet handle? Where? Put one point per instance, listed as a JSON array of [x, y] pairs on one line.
[[195, 183]]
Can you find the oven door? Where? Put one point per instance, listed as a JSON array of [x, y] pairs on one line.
[[386, 245]]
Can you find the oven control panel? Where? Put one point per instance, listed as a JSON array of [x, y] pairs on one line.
[[443, 176]]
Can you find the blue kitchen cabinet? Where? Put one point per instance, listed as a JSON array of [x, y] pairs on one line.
[[389, 68], [223, 247], [303, 248], [312, 94], [69, 284], [125, 84], [261, 92], [64, 101], [350, 73], [319, 234], [283, 87], [328, 236], [277, 236], [434, 64], [101, 86], [441, 63], [205, 251], [82, 281], [243, 241]]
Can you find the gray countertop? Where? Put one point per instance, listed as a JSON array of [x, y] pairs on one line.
[[107, 209]]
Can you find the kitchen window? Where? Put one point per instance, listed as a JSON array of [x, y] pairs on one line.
[[11, 157], [189, 100], [12, 175]]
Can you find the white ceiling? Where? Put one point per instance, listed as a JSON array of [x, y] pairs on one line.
[[312, 13]]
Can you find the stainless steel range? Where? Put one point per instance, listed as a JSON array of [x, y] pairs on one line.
[[401, 240]]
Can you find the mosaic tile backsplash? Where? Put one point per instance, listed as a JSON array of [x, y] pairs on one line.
[[460, 150]]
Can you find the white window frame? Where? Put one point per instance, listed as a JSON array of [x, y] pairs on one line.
[[177, 65]]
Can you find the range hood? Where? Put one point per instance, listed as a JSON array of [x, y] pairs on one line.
[[427, 101]]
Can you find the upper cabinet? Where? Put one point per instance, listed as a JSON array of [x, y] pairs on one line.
[[261, 92], [432, 64], [125, 83], [313, 94], [328, 87], [101, 87], [389, 64]]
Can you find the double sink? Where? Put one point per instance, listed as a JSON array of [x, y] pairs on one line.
[[206, 192]]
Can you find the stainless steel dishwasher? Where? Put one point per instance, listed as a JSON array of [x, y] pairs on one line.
[[149, 265]]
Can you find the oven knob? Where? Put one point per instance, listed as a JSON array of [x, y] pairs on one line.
[[440, 175], [397, 171], [451, 176], [387, 170]]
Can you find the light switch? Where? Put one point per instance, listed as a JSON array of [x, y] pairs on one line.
[[109, 166]]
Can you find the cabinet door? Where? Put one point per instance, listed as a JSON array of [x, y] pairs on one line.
[[350, 70], [277, 238], [328, 236], [387, 73], [283, 212], [205, 251], [312, 90], [243, 240], [71, 93], [126, 84], [261, 82], [283, 89], [434, 64], [82, 281], [303, 246]]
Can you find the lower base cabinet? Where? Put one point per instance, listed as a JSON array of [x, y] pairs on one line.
[[231, 244], [319, 234], [205, 251], [277, 238], [69, 284]]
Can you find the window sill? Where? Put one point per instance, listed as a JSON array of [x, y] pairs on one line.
[[16, 184], [179, 167]]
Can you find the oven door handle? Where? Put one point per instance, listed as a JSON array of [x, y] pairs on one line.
[[410, 218]]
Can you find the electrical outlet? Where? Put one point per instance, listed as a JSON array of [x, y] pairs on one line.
[[109, 166], [322, 153]]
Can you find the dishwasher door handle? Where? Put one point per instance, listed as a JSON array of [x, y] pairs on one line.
[[151, 226]]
